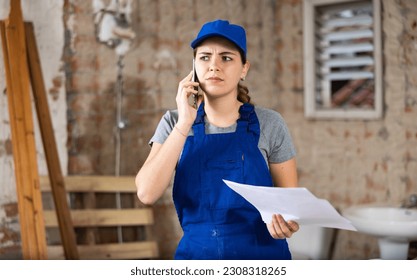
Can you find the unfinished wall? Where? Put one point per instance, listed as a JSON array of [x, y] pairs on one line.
[[159, 58], [46, 16], [354, 162], [346, 162]]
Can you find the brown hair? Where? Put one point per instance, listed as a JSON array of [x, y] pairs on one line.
[[243, 94]]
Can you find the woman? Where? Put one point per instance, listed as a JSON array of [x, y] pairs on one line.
[[225, 138]]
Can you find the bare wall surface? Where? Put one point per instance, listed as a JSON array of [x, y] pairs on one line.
[[46, 16], [346, 162]]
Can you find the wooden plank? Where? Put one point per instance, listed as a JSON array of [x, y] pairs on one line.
[[24, 150], [49, 144], [122, 251], [104, 217], [111, 184], [98, 219]]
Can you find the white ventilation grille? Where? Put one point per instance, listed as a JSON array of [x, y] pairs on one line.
[[343, 49]]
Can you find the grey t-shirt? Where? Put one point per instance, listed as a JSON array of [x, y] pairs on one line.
[[275, 141]]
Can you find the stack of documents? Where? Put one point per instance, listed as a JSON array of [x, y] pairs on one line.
[[297, 204]]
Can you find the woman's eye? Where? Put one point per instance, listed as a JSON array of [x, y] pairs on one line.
[[204, 58], [227, 58]]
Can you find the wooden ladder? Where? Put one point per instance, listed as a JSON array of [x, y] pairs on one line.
[[22, 65], [23, 69]]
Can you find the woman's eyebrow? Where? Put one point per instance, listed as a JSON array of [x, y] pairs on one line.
[[222, 53], [204, 53], [228, 53]]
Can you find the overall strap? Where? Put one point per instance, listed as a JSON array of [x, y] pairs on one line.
[[199, 126], [248, 121], [200, 114]]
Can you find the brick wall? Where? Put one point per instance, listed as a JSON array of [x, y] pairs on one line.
[[346, 162], [159, 58], [374, 159]]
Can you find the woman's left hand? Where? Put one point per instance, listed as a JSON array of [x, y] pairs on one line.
[[280, 229]]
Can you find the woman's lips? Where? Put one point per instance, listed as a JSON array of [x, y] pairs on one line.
[[215, 79]]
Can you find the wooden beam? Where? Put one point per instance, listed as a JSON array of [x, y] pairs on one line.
[[94, 183], [32, 227], [122, 251], [104, 217], [51, 152]]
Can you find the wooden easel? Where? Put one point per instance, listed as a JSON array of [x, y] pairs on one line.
[[22, 65]]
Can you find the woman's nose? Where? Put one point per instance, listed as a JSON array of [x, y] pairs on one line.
[[214, 65]]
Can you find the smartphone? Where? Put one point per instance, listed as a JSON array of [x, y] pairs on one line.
[[195, 79]]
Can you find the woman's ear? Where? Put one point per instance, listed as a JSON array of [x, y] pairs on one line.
[[245, 70]]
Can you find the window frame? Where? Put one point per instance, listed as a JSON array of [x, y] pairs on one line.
[[311, 108]]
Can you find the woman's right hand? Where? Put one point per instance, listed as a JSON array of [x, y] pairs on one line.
[[186, 112], [280, 229]]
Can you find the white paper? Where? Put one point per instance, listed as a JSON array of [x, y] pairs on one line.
[[297, 204]]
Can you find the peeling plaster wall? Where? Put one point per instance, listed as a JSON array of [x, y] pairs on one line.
[[346, 162], [46, 16]]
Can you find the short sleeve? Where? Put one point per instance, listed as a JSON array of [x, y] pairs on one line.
[[275, 139], [165, 127]]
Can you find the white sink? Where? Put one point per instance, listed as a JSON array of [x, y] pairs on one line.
[[394, 227]]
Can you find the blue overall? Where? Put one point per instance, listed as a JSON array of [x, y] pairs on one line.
[[217, 222]]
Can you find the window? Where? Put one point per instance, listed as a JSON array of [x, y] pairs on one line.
[[342, 56]]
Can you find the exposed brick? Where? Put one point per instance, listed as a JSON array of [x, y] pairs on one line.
[[346, 162], [10, 210]]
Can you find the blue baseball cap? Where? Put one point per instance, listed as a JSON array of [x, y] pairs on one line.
[[232, 32]]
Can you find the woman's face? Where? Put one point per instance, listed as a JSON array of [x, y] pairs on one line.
[[219, 67]]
